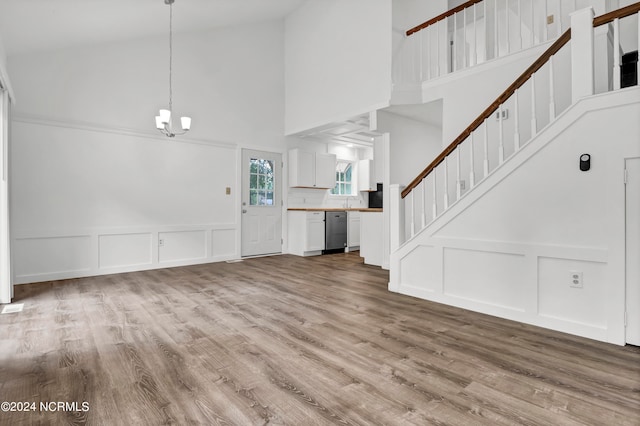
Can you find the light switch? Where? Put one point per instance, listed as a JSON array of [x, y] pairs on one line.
[[228, 191], [549, 19]]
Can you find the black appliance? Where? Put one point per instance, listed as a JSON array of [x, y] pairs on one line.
[[375, 198], [629, 69], [335, 232]]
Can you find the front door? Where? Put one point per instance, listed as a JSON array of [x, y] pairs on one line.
[[633, 251], [261, 203]]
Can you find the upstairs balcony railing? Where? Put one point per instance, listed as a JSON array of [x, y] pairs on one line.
[[478, 31]]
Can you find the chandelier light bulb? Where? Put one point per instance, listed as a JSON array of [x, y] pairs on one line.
[[186, 123], [165, 116]]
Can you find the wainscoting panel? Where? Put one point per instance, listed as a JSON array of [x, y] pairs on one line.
[[124, 250], [422, 268], [559, 298], [182, 245], [488, 277], [68, 256], [223, 242]]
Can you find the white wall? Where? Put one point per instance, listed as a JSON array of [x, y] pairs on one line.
[[337, 61], [410, 13], [522, 230], [414, 144], [95, 187]]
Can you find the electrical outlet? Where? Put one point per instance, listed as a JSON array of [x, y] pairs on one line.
[[575, 279], [463, 186], [160, 242], [504, 114], [549, 19]]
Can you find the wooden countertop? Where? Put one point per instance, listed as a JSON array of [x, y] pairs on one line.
[[334, 209]]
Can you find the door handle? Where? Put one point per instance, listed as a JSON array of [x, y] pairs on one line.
[[244, 211]]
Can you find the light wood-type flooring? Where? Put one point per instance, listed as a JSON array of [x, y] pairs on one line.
[[298, 341]]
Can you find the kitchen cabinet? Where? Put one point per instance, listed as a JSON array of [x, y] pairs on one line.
[[366, 176], [306, 232], [371, 246], [311, 170], [353, 230]]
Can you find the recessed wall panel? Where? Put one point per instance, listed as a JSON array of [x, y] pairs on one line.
[[421, 268], [224, 242], [181, 245], [51, 255], [493, 278], [558, 298], [124, 250]]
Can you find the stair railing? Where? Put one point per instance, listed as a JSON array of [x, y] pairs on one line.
[[530, 103], [475, 32]]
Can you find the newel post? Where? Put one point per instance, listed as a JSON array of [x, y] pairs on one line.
[[396, 217], [582, 62]]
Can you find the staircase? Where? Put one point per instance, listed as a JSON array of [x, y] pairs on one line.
[[503, 218]]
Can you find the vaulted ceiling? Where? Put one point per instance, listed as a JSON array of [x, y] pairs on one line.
[[32, 25]]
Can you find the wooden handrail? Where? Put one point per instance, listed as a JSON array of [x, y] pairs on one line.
[[442, 16], [552, 50], [620, 13]]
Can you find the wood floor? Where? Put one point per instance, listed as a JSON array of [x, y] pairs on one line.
[[298, 341]]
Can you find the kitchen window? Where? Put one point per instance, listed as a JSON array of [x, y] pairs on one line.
[[344, 176]]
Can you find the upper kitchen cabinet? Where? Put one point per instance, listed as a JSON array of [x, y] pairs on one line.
[[366, 176], [311, 170]]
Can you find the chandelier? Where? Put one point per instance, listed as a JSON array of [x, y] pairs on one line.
[[164, 120]]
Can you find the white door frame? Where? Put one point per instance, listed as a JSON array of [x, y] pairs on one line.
[[632, 252], [6, 288], [273, 245]]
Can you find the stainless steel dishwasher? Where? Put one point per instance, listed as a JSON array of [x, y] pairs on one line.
[[335, 232]]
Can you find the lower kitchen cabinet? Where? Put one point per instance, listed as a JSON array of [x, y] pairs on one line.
[[371, 242], [353, 230], [306, 232]]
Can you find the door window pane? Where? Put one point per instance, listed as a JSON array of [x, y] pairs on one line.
[[261, 182]]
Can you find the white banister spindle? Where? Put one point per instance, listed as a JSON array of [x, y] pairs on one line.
[[412, 213], [546, 25], [516, 122], [485, 143], [552, 95], [500, 136], [486, 26], [495, 31], [453, 50], [616, 54], [472, 173], [506, 23], [533, 24], [438, 69], [429, 53], [420, 56], [424, 202], [534, 120], [458, 175], [464, 38], [474, 45], [446, 183], [559, 17], [434, 207], [520, 24]]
